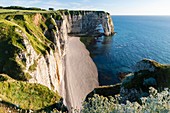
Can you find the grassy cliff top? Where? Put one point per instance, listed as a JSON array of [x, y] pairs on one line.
[[15, 11], [31, 11], [19, 9]]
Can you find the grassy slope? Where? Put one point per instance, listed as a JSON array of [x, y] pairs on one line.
[[27, 95]]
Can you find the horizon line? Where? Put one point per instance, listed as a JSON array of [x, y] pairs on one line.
[[136, 15]]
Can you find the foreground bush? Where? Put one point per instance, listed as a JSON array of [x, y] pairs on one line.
[[155, 103]]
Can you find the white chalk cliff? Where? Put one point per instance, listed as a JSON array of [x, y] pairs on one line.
[[65, 66]]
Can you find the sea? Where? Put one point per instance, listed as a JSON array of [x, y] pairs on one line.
[[136, 38]]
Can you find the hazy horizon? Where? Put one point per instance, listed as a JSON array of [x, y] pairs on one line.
[[114, 7]]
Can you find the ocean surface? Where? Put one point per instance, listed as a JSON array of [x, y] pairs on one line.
[[137, 37]]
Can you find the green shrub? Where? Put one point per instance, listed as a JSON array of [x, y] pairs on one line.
[[155, 103], [52, 9], [23, 8], [34, 8]]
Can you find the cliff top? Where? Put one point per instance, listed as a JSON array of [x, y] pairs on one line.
[[24, 10]]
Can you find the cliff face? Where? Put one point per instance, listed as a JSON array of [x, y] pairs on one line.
[[33, 49], [86, 22], [80, 73]]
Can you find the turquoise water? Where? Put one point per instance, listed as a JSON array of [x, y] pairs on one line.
[[137, 37]]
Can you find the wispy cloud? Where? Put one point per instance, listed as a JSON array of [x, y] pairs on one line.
[[56, 5], [19, 3], [150, 7], [76, 5]]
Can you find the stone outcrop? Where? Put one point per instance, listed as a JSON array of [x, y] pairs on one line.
[[146, 70], [147, 73], [33, 45], [145, 65]]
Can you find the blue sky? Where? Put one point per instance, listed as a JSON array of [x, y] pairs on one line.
[[115, 7]]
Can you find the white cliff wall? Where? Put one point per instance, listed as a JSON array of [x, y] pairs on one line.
[[67, 68], [85, 22], [44, 69]]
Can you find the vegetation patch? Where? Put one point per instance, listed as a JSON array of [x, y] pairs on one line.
[[154, 103], [27, 95], [50, 23], [33, 66], [11, 42], [4, 77], [23, 8]]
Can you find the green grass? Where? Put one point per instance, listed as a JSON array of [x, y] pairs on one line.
[[14, 11], [27, 95], [4, 77], [7, 10], [10, 45]]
